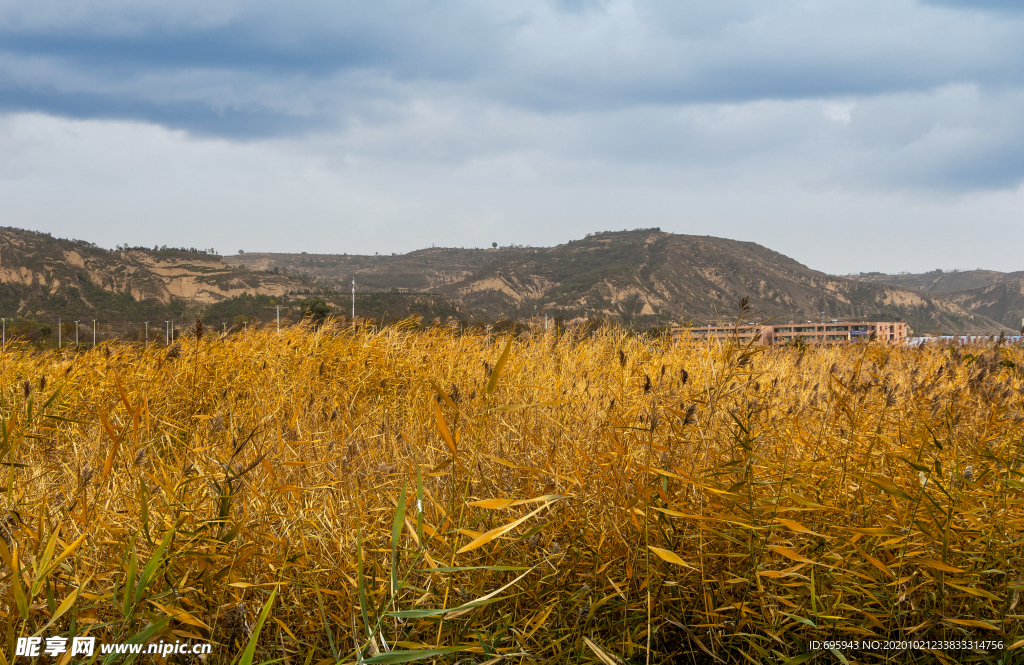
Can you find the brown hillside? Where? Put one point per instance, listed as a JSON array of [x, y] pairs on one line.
[[645, 277], [941, 282], [40, 275], [1002, 302]]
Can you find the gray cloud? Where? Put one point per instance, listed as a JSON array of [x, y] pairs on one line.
[[530, 122], [534, 55]]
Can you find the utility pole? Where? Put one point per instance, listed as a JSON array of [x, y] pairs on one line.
[[76, 332], [147, 333], [94, 333], [278, 318], [353, 301]]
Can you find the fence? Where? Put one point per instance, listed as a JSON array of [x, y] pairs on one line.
[[965, 339], [89, 332]]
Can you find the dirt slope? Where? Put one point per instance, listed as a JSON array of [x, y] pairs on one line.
[[40, 274], [645, 277]]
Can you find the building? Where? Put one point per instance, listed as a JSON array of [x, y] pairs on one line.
[[834, 332]]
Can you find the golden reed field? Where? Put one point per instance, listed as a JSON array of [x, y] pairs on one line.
[[338, 495]]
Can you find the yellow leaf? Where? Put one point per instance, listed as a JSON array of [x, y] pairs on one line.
[[974, 592], [181, 615], [113, 449], [799, 528], [446, 434], [605, 657], [676, 513], [16, 581], [498, 531], [789, 553], [64, 607], [443, 396], [493, 504], [505, 462], [111, 432], [499, 366], [499, 504], [63, 555], [877, 563], [412, 530], [669, 555], [124, 397], [974, 623], [537, 623]]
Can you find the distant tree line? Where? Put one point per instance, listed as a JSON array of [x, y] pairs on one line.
[[162, 249]]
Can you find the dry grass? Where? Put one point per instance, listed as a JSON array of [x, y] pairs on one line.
[[401, 493]]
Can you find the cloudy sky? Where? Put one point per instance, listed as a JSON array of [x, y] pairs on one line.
[[861, 135]]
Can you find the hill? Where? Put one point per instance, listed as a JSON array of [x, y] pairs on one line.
[[644, 277], [987, 293], [1002, 301], [41, 275], [43, 278], [939, 281], [420, 271]]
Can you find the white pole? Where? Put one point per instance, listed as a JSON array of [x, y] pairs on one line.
[[278, 318], [167, 328], [58, 333], [5, 331], [147, 333], [353, 300], [94, 333], [76, 332]]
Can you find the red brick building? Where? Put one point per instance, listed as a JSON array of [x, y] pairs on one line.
[[834, 332]]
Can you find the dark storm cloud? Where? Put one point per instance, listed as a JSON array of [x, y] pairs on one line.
[[235, 123], [247, 67], [573, 55], [560, 71], [255, 41]]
